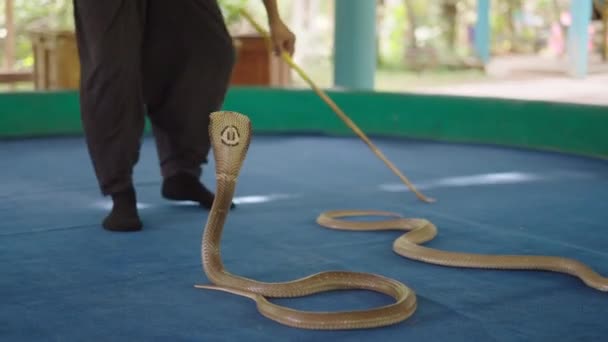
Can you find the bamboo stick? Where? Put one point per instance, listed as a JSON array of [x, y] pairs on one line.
[[287, 58]]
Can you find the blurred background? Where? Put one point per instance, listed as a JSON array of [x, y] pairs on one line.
[[524, 49]]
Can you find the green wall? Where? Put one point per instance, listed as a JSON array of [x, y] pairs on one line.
[[579, 129], [39, 114]]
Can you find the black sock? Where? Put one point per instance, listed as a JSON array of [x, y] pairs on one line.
[[124, 216], [186, 187]]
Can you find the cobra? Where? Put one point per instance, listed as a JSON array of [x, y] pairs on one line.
[[229, 156]]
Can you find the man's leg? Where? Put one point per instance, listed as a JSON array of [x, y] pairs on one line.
[[109, 36], [188, 61]]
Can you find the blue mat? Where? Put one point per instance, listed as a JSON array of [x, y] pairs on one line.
[[64, 278]]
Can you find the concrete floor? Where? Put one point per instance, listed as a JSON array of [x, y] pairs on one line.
[[534, 78]]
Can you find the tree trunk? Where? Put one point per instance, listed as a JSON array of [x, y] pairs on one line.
[[9, 53], [412, 42], [449, 11], [512, 7]]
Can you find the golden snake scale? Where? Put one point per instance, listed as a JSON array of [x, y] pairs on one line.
[[230, 134]]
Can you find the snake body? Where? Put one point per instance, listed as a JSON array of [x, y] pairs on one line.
[[421, 231], [230, 134], [230, 138]]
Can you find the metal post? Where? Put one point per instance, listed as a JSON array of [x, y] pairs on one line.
[[482, 31], [355, 44], [578, 37]]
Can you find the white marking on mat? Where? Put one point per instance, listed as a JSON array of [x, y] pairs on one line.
[[261, 198], [252, 199], [107, 205], [472, 180]]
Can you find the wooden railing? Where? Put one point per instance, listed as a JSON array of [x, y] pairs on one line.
[[12, 78], [16, 76]]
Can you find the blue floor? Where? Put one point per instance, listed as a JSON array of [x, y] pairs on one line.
[[64, 278]]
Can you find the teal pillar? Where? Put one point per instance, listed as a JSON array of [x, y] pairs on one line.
[[482, 31], [578, 37], [355, 44]]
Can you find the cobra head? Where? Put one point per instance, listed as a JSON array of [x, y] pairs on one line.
[[230, 134]]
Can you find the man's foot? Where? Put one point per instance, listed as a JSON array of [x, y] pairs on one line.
[[186, 187], [124, 216]]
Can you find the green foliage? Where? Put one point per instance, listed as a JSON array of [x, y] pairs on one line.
[[55, 14], [518, 26], [58, 15], [35, 15], [434, 31], [391, 47], [230, 10]]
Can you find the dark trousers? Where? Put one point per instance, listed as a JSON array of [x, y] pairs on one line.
[[168, 60]]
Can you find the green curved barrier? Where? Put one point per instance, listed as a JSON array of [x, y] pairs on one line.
[[569, 128]]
